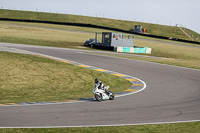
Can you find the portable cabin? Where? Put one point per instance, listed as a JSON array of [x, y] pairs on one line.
[[110, 39]]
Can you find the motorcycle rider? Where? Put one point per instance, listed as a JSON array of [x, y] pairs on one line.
[[100, 85]]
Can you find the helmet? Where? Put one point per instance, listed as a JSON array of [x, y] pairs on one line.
[[96, 81]]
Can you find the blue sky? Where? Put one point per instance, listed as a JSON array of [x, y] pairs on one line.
[[170, 12]]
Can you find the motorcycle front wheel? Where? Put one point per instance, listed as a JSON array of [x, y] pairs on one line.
[[98, 97]]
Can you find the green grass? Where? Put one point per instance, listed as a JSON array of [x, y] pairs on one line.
[[154, 29], [24, 78], [169, 53], [72, 37], [46, 35], [179, 55], [193, 127], [27, 78], [42, 36], [53, 26]]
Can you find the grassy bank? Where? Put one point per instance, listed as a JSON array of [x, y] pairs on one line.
[[46, 35], [154, 29], [178, 55], [172, 54], [41, 36], [73, 37], [193, 127], [27, 78]]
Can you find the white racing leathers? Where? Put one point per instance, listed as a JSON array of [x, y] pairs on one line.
[[100, 85]]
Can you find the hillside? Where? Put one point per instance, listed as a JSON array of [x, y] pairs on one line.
[[153, 29]]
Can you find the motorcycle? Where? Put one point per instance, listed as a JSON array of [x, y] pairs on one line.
[[103, 94]]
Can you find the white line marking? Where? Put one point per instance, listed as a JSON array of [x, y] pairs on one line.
[[60, 59], [136, 124]]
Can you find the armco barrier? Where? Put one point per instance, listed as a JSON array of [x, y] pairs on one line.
[[119, 49], [148, 50], [141, 50], [126, 49]]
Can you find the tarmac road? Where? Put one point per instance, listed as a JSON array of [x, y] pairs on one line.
[[172, 94]]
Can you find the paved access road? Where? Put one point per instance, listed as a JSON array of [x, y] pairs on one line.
[[172, 94]]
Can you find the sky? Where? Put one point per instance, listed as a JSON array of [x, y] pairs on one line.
[[165, 12]]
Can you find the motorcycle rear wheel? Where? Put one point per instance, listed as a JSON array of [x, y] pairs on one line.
[[112, 97]]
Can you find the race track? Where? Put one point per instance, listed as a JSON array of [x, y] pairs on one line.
[[172, 94]]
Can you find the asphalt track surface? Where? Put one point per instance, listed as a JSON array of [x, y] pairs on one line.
[[172, 94]]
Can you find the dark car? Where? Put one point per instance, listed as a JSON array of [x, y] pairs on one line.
[[90, 42]]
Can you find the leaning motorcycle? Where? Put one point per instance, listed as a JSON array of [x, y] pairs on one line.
[[101, 94]]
